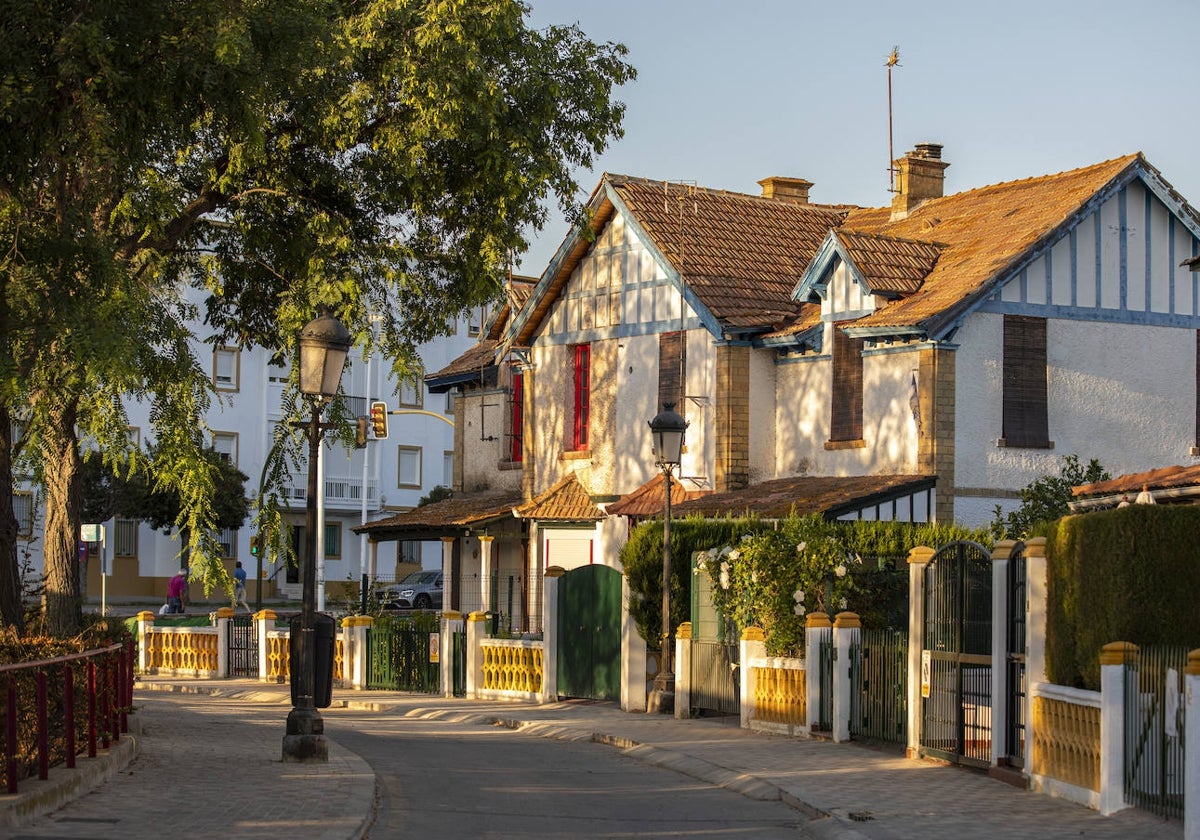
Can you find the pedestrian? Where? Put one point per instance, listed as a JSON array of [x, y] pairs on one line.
[[177, 592], [239, 586]]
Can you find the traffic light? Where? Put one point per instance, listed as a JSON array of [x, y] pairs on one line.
[[379, 415], [360, 433], [254, 546]]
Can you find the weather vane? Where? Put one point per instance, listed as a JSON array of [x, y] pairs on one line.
[[893, 61]]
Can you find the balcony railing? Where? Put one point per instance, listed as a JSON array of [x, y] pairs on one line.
[[340, 491]]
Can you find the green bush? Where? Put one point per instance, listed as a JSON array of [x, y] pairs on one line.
[[1123, 575]]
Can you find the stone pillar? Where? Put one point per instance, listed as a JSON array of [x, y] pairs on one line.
[[847, 631], [633, 657], [223, 622], [264, 620], [1113, 657], [1001, 558], [485, 572], [683, 671], [448, 581], [753, 646], [145, 624], [354, 650], [918, 679], [452, 622], [814, 631], [550, 634], [476, 633], [1191, 760], [1035, 631]]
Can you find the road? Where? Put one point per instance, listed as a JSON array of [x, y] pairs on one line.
[[458, 780]]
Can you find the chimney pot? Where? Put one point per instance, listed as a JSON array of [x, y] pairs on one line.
[[929, 151], [921, 175], [781, 188]]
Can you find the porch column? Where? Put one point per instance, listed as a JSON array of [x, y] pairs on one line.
[[1001, 557], [448, 581], [550, 634], [145, 624], [485, 571], [476, 633], [918, 676], [223, 622], [264, 620], [753, 647], [683, 671], [633, 657], [847, 630], [1113, 657], [452, 622], [1191, 760], [814, 633]]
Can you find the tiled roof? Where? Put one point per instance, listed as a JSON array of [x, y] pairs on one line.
[[983, 232], [828, 495], [566, 501], [648, 499], [887, 263], [457, 512], [741, 254], [1164, 478], [476, 358], [483, 354]]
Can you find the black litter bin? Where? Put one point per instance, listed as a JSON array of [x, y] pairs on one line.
[[324, 633]]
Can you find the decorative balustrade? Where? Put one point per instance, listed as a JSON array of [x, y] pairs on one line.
[[189, 651], [512, 665], [780, 691], [1066, 735]]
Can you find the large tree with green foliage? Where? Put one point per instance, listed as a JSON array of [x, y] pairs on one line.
[[376, 157]]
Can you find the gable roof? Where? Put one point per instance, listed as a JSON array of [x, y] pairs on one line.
[[648, 499], [448, 517], [888, 263], [566, 501], [831, 496], [472, 364]]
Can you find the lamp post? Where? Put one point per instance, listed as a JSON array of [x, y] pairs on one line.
[[667, 430], [324, 342]]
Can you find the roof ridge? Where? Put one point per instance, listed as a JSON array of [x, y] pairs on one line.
[[618, 179]]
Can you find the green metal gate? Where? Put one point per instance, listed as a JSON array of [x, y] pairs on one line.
[[589, 633], [243, 646], [956, 662], [1155, 711], [399, 658], [1015, 659], [879, 686]]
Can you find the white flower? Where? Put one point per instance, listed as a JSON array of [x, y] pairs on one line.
[[840, 570], [725, 550], [724, 578], [799, 609], [858, 559], [735, 554], [712, 552], [801, 548], [747, 537], [798, 596], [842, 603]]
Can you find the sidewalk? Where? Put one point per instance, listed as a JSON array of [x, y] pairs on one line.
[[852, 791]]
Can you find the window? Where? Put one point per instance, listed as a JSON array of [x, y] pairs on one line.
[[672, 366], [125, 544], [408, 551], [225, 444], [412, 390], [847, 397], [408, 467], [475, 321], [225, 368], [451, 395], [448, 468], [582, 396], [23, 510], [516, 417], [333, 540], [1026, 421], [227, 540]]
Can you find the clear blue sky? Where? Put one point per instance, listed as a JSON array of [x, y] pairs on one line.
[[730, 92]]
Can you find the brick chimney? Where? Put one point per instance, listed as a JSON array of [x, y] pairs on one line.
[[780, 188], [920, 176]]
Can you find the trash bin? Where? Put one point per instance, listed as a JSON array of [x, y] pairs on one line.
[[324, 633]]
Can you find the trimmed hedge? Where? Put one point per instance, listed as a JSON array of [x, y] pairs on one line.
[[1124, 575]]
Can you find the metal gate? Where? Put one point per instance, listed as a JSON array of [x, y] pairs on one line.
[[714, 677], [1015, 660], [956, 662], [1154, 729], [458, 663], [399, 658], [879, 686], [243, 647], [825, 653], [589, 633]]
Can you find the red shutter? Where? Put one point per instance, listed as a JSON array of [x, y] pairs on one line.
[[517, 416], [583, 364]]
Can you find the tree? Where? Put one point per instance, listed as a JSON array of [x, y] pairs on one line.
[[1047, 498], [376, 158]]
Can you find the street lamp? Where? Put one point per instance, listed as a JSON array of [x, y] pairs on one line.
[[324, 342], [666, 429]]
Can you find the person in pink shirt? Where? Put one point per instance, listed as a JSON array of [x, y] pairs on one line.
[[177, 592]]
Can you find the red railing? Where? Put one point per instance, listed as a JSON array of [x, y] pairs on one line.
[[35, 733]]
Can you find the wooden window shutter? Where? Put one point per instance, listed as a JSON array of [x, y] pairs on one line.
[[672, 365], [847, 401], [582, 404], [516, 417], [1026, 419]]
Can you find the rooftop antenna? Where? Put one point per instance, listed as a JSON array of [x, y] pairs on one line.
[[893, 61]]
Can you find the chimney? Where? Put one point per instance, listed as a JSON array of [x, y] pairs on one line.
[[920, 176], [780, 188]]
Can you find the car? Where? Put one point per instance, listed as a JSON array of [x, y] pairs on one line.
[[419, 591]]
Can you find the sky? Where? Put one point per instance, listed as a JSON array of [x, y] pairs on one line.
[[729, 93]]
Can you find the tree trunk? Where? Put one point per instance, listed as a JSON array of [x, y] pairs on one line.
[[61, 602], [11, 613]]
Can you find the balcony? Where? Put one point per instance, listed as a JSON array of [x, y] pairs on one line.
[[341, 492]]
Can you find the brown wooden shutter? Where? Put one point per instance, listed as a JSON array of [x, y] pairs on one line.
[[672, 365], [1026, 421], [847, 400]]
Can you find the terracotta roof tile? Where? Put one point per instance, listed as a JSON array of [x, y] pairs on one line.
[[1164, 478], [476, 358], [566, 501], [461, 510], [887, 263], [802, 495], [648, 499]]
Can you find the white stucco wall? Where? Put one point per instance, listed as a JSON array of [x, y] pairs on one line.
[[762, 416]]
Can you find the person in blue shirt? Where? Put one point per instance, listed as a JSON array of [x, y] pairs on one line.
[[239, 586]]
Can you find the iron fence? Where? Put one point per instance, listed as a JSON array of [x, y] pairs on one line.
[[243, 647], [825, 677], [399, 656], [714, 677], [1154, 729], [878, 686]]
